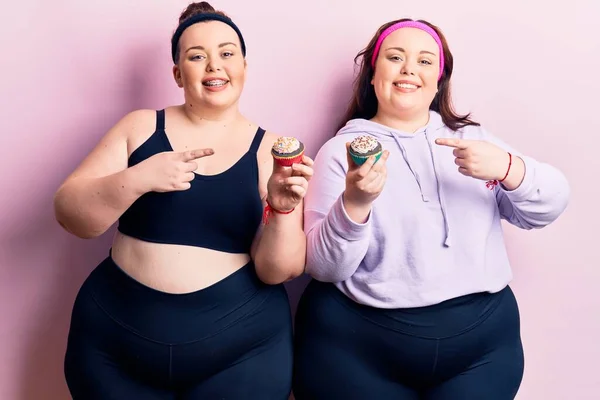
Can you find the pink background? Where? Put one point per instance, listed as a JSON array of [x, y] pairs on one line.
[[71, 69]]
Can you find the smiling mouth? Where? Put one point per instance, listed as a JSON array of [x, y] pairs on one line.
[[215, 82], [406, 85]]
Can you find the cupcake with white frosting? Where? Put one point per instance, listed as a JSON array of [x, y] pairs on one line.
[[287, 151], [363, 147]]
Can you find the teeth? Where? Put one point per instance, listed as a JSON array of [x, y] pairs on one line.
[[405, 85], [216, 82]]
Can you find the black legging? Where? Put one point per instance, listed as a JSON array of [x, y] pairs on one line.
[[232, 340], [468, 348]]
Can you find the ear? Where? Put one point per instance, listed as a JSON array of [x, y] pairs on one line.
[[177, 75]]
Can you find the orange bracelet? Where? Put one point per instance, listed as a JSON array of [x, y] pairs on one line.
[[270, 210]]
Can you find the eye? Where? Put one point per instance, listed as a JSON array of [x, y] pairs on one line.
[[227, 54], [426, 62], [395, 58], [197, 57]]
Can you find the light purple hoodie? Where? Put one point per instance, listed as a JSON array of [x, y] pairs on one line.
[[433, 233]]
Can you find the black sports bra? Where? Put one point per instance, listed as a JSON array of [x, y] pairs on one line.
[[220, 212]]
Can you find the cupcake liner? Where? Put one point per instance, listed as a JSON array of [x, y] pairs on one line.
[[363, 147], [360, 160], [288, 161]]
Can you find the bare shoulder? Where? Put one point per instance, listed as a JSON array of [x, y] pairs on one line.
[[136, 127], [136, 120], [264, 151], [131, 126]]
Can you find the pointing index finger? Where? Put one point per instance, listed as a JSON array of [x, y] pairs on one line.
[[198, 153], [453, 142]]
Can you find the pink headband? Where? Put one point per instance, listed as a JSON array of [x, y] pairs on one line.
[[410, 24]]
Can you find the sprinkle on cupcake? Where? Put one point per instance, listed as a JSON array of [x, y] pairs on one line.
[[362, 147], [364, 144], [287, 150], [286, 145]]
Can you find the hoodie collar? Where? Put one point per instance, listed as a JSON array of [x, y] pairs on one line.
[[385, 133]]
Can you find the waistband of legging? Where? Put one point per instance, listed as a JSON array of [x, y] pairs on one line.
[[446, 319], [175, 318], [123, 289]]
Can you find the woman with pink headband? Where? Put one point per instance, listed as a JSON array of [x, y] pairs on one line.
[[410, 296]]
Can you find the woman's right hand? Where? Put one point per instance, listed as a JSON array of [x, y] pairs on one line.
[[170, 171], [364, 184]]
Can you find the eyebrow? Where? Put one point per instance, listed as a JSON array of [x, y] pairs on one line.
[[202, 48], [404, 51]]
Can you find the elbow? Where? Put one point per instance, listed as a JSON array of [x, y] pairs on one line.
[[546, 208], [562, 199], [276, 273], [80, 233], [327, 262], [65, 222], [540, 220], [326, 272], [77, 224], [276, 277], [559, 203]]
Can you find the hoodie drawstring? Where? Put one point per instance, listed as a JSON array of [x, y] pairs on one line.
[[440, 192], [416, 175], [437, 182]]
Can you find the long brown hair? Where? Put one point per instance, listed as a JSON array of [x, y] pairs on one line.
[[364, 101]]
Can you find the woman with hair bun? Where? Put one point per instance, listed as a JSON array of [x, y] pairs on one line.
[[190, 302]]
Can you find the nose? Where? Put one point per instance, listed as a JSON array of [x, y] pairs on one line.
[[407, 68], [213, 65]]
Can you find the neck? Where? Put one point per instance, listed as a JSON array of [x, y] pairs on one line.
[[405, 122], [212, 116]]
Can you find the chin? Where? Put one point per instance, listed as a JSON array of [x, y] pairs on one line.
[[219, 100], [405, 107], [218, 104]]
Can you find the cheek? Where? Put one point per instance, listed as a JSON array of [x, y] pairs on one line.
[[386, 73], [188, 73], [430, 83], [381, 92], [236, 71], [381, 82]]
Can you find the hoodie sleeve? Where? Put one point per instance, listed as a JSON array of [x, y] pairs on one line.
[[336, 245], [539, 200]]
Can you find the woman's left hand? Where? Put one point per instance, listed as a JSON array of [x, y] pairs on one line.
[[477, 158], [287, 186]]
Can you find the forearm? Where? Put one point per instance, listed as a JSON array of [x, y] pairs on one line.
[[336, 244], [89, 207], [281, 249]]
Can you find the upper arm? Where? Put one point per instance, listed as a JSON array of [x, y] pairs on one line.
[[111, 153], [265, 169], [265, 163], [327, 184]]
